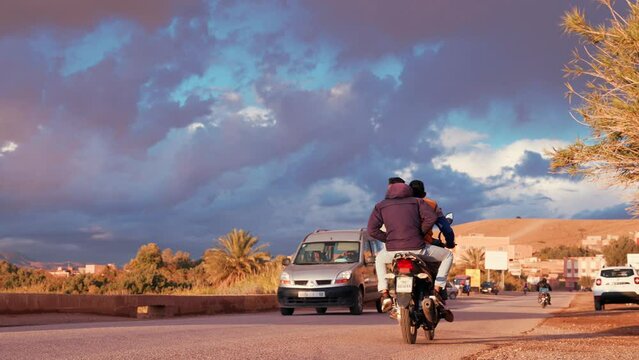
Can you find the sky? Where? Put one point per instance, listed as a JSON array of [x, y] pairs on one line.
[[123, 124]]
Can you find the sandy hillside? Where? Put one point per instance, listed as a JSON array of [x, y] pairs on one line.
[[540, 233]]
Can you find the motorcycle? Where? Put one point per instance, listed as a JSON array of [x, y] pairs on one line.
[[412, 284], [544, 299]]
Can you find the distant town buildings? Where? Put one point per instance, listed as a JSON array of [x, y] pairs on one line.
[[597, 242], [87, 269], [490, 243], [559, 272]]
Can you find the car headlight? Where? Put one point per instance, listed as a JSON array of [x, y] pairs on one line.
[[285, 279], [343, 277]]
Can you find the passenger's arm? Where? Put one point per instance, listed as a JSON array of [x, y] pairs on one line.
[[447, 231], [375, 223]]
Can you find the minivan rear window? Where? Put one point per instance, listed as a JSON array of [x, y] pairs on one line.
[[614, 273], [328, 252]]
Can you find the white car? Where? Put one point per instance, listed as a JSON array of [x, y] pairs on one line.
[[616, 285]]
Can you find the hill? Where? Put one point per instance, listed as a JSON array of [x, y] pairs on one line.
[[16, 258], [22, 260], [540, 233]]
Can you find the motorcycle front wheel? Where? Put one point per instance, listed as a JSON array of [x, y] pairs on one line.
[[430, 334], [409, 330]]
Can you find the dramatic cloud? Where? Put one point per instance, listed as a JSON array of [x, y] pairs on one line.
[[123, 123]]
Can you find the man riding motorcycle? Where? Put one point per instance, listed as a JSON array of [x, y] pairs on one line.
[[543, 288], [406, 220]]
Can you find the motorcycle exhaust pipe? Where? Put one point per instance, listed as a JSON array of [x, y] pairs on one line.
[[429, 309]]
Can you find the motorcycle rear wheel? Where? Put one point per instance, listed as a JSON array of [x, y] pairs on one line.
[[406, 323]]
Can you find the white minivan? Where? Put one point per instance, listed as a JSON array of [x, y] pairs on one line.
[[330, 269]]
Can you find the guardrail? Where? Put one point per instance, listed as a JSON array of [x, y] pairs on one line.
[[136, 305]]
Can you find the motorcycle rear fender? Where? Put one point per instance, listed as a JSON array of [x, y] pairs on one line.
[[403, 299]]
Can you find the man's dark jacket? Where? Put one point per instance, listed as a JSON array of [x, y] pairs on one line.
[[406, 219]]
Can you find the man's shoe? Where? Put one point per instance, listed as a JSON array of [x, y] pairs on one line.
[[393, 314], [387, 302], [439, 297], [448, 315]]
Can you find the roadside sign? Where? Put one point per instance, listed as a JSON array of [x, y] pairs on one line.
[[475, 277], [496, 260]]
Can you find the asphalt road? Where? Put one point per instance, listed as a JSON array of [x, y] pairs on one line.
[[480, 321]]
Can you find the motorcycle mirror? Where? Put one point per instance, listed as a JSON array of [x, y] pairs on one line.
[[449, 217]]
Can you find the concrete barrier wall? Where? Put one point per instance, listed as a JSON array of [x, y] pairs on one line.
[[129, 305]]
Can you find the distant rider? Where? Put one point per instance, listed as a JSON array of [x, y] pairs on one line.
[[406, 220], [543, 288]]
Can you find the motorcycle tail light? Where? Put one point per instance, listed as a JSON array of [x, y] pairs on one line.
[[405, 266], [598, 281]]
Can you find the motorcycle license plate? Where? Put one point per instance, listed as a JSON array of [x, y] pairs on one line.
[[309, 294], [404, 284]]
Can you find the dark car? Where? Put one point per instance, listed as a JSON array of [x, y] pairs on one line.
[[489, 287]]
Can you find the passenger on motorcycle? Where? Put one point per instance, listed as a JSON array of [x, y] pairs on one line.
[[406, 220], [442, 223], [543, 288]]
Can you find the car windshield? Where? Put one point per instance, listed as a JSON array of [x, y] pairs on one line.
[[487, 284], [329, 252], [615, 273]]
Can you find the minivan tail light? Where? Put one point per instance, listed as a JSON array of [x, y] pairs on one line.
[[598, 282], [405, 266], [637, 280]]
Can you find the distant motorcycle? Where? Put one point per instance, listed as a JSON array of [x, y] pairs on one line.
[[544, 299]]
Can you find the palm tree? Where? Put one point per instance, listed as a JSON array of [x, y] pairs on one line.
[[235, 258], [473, 258]]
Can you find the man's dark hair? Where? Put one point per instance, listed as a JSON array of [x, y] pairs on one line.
[[396, 180], [418, 188]]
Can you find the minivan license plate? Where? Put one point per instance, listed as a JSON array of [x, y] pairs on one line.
[[305, 294], [404, 284]]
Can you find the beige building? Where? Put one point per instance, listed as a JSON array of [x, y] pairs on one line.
[[95, 269], [62, 272], [490, 243], [596, 242], [535, 269], [578, 267]]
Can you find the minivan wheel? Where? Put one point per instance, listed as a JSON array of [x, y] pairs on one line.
[[321, 310], [358, 307], [287, 311]]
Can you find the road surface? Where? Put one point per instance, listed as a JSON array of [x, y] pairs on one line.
[[480, 321]]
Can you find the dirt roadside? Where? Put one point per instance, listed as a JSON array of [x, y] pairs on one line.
[[577, 332]]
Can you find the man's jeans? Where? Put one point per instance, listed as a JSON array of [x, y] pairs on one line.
[[430, 253]]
